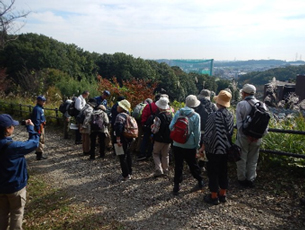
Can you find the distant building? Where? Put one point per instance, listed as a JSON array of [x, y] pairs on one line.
[[300, 86], [280, 88]]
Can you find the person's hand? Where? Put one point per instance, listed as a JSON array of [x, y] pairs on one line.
[[118, 141], [201, 150], [29, 122]]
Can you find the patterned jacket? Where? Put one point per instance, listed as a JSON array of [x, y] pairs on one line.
[[218, 129]]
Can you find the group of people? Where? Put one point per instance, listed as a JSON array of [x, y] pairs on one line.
[[210, 131]]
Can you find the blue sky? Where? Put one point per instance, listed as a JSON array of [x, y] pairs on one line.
[[177, 29]]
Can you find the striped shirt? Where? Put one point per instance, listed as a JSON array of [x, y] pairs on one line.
[[218, 127]]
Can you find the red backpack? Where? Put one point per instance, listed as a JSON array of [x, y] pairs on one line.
[[181, 130]]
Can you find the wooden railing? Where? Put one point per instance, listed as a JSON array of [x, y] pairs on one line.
[[25, 111]]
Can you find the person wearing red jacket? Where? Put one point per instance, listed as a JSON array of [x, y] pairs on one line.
[[147, 144]]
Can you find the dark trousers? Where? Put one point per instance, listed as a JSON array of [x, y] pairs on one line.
[[189, 155], [146, 145], [113, 138], [101, 137], [66, 127], [78, 136], [126, 161], [217, 168]]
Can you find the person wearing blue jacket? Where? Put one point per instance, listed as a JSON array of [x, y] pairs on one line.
[[13, 171], [39, 121], [187, 151]]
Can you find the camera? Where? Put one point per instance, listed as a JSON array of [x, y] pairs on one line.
[[22, 122]]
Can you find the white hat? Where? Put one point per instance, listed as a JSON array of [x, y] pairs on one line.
[[249, 89], [162, 103], [192, 101]]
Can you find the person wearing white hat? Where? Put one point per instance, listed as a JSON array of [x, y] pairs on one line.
[[161, 136], [187, 151], [246, 167]]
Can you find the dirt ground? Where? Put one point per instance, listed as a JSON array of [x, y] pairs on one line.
[[145, 202]]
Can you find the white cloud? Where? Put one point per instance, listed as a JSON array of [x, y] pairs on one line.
[[220, 29]]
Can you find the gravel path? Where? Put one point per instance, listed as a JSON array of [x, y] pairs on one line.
[[147, 203]]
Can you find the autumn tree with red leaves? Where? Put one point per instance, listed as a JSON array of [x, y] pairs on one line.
[[135, 91]]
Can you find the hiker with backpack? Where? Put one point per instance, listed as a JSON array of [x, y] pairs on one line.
[[114, 113], [249, 136], [205, 108], [99, 128], [161, 136], [137, 114], [84, 119], [79, 104], [148, 115], [122, 141], [216, 140], [63, 108], [185, 132]]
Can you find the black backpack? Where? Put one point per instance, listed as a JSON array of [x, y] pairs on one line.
[[72, 111], [63, 107], [204, 110], [97, 121], [163, 135], [257, 121], [150, 120], [81, 115]]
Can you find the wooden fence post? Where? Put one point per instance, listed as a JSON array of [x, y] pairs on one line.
[[20, 110], [57, 117]]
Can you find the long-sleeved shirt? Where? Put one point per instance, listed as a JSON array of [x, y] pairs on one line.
[[38, 117], [193, 141], [80, 102], [243, 109], [13, 168], [218, 130], [101, 101]]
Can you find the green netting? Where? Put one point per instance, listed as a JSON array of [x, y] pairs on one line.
[[203, 66]]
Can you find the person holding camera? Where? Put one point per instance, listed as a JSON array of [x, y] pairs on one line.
[[39, 121], [13, 171]]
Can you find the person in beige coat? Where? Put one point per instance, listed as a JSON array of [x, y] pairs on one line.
[[85, 128], [99, 128]]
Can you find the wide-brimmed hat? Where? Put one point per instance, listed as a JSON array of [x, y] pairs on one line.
[[205, 93], [223, 98], [192, 101], [7, 121], [249, 89], [162, 103], [92, 102], [124, 104]]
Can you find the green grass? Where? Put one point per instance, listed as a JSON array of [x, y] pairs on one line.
[[293, 143], [49, 208]]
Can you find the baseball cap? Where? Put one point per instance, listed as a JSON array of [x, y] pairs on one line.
[[6, 121], [41, 98]]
